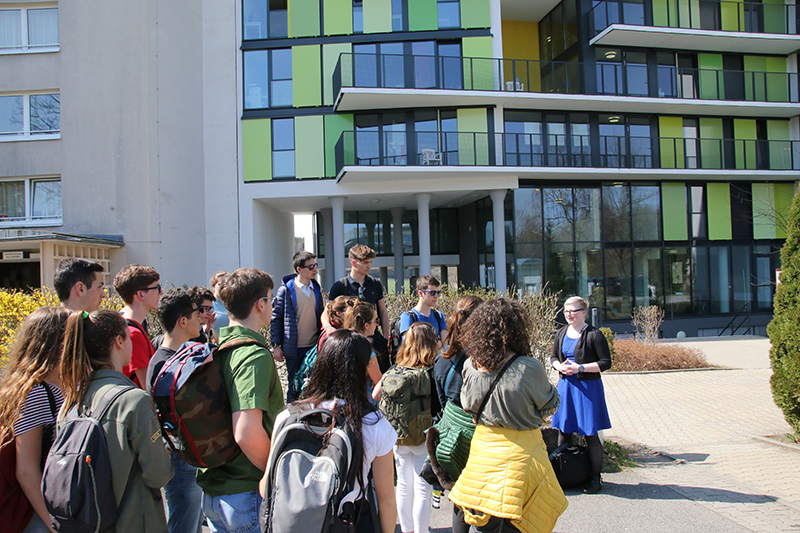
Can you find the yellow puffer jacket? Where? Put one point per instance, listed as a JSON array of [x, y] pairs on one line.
[[508, 475]]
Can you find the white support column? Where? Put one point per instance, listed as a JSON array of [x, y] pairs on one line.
[[399, 262], [327, 223], [424, 220], [499, 224], [337, 221]]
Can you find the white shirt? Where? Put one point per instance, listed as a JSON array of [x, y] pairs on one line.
[[305, 288]]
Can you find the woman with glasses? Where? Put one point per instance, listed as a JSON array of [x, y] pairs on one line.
[[580, 353], [362, 317]]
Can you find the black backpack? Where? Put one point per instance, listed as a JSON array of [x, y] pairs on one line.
[[397, 337], [76, 482], [312, 467]]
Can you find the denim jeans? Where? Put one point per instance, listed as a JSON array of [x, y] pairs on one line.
[[233, 513], [182, 496]]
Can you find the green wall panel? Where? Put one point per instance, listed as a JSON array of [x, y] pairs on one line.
[[334, 126], [257, 149], [672, 152], [663, 12], [673, 211], [710, 81], [763, 216], [774, 16], [423, 15], [338, 17], [472, 149], [719, 211], [475, 14], [309, 143], [784, 194], [330, 56], [744, 131], [478, 75], [777, 81], [377, 16], [780, 148], [754, 79], [304, 18], [732, 15], [306, 76], [710, 149]]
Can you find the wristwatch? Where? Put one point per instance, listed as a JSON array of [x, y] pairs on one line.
[[580, 369]]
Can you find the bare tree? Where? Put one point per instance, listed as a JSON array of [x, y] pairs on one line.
[[647, 321]]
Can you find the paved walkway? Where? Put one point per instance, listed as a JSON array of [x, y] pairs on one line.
[[709, 421]]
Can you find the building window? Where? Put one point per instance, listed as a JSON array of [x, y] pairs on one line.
[[30, 116], [399, 15], [283, 148], [268, 78], [29, 30], [449, 14], [358, 16], [264, 19], [30, 201]]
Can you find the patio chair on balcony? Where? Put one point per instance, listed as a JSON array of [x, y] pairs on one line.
[[515, 85], [431, 157]]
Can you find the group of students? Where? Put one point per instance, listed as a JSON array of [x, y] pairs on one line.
[[69, 357]]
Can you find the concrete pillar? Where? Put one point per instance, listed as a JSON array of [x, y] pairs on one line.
[[499, 224], [384, 274], [399, 263], [337, 223], [327, 223], [424, 219]]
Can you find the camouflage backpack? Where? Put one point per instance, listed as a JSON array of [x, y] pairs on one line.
[[406, 402], [192, 404]]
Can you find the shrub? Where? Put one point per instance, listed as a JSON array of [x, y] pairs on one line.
[[647, 321], [784, 330], [542, 306], [16, 305], [609, 335], [633, 355]]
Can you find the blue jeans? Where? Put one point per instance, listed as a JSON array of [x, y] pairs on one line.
[[233, 513], [182, 495]]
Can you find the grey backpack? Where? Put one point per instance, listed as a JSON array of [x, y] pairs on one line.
[[313, 465], [76, 482]]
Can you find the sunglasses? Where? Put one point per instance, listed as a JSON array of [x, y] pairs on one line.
[[432, 292], [154, 288], [360, 292], [311, 267], [205, 308], [190, 313]]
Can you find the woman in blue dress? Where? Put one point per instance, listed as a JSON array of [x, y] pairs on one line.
[[580, 353]]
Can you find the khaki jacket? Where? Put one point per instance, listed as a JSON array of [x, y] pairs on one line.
[[135, 447]]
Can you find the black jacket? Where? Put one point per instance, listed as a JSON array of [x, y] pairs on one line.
[[592, 347]]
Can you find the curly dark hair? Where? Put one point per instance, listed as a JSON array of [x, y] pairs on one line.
[[496, 329]]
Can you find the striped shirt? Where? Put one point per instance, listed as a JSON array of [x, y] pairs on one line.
[[37, 412]]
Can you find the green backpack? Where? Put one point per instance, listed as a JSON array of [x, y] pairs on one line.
[[406, 402]]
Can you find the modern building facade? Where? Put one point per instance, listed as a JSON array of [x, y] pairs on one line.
[[636, 152]]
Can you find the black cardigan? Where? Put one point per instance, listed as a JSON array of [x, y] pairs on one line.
[[592, 347]]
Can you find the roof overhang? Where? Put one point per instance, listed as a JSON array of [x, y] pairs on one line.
[[30, 240], [356, 98], [696, 39]]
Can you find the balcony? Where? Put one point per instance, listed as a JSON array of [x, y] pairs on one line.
[[529, 153], [721, 25], [386, 81]]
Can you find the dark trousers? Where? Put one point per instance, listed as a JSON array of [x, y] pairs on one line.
[[292, 366], [495, 525]]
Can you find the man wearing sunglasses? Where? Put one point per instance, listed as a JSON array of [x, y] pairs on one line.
[[296, 312], [428, 289], [139, 288]]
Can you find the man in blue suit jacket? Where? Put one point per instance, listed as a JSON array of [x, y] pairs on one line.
[[296, 312]]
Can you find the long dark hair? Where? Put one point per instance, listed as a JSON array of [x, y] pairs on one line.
[[455, 324], [340, 373]]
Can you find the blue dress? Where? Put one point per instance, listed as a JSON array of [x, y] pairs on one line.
[[583, 402]]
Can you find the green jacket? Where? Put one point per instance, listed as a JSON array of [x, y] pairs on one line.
[[134, 447]]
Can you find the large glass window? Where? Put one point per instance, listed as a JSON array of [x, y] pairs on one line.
[[616, 212], [528, 215], [648, 285], [399, 15], [30, 201], [587, 214], [30, 116], [720, 279], [559, 215], [523, 141], [646, 211], [28, 29], [268, 78], [678, 282], [618, 283], [283, 148], [449, 13]]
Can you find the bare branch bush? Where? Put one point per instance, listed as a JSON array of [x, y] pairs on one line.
[[647, 321]]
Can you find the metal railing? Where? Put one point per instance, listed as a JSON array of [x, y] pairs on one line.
[[441, 148], [717, 15], [394, 71], [408, 71]]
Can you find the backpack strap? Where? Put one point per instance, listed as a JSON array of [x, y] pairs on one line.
[[134, 324], [452, 369], [108, 398], [51, 399], [494, 384], [238, 342]]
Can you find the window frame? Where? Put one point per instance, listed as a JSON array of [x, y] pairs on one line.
[[24, 46], [28, 219], [27, 134]]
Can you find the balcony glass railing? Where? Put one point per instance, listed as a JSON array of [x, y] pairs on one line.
[[527, 76], [716, 15], [440, 148], [390, 71]]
